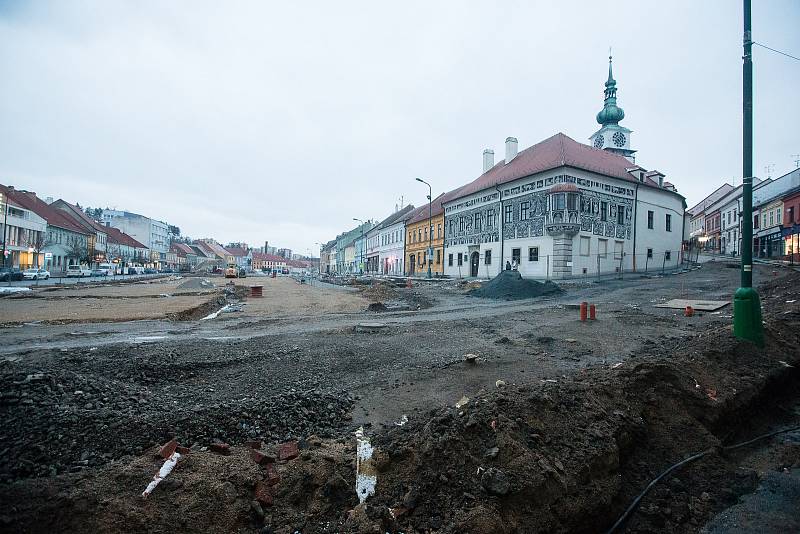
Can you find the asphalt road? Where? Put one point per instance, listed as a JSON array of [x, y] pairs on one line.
[[58, 280]]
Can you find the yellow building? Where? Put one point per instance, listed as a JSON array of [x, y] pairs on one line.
[[418, 240]]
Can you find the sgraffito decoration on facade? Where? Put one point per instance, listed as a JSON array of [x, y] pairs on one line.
[[603, 210]]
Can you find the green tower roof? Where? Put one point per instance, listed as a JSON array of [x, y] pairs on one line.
[[611, 113]]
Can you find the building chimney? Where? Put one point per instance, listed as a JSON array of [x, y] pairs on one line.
[[660, 181], [511, 148], [488, 159]]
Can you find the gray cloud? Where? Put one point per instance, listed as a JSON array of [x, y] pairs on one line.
[[254, 121]]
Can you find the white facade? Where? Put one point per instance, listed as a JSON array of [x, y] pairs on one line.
[[150, 232], [23, 235], [599, 225], [391, 249]]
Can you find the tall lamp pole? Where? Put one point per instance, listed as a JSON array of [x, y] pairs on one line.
[[363, 245], [430, 225], [746, 304]]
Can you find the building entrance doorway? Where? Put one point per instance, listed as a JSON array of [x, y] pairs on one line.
[[413, 266], [473, 264]]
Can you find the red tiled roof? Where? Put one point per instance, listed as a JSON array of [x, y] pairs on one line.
[[556, 151], [87, 221], [213, 248], [182, 249], [237, 251], [53, 216], [121, 238]]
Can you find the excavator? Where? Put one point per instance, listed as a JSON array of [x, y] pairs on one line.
[[231, 271]]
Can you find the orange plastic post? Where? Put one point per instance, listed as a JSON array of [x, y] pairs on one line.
[[592, 312], [584, 306]]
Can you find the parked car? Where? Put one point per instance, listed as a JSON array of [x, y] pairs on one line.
[[134, 269], [150, 271], [10, 274], [107, 269], [78, 271], [242, 273], [36, 274], [99, 272], [166, 270]]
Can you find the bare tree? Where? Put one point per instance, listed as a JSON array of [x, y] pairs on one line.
[[39, 242], [76, 250]]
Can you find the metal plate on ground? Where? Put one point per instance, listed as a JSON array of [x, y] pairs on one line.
[[698, 305], [370, 327]]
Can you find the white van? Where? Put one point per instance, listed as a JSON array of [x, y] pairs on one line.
[[78, 271], [107, 269]]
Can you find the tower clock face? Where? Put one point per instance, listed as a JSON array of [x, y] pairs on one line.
[[598, 141], [619, 139]]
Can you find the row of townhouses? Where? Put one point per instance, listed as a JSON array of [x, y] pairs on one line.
[[556, 209], [57, 234], [716, 222]]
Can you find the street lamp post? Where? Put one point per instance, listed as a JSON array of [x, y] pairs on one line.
[[4, 198], [430, 225], [746, 304], [363, 245]]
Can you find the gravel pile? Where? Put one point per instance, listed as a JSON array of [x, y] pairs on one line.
[[509, 285], [63, 421]]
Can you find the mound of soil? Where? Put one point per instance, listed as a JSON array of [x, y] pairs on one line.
[[509, 285], [196, 283]]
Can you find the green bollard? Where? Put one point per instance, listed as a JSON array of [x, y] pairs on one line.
[[747, 316]]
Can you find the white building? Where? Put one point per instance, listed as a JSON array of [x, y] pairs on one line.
[[390, 243], [561, 208], [150, 232]]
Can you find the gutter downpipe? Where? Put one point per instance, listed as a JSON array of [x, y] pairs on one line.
[[500, 216], [635, 213]]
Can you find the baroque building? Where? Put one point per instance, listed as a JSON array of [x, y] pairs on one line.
[[561, 208]]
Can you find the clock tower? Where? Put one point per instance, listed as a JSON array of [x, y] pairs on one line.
[[611, 136]]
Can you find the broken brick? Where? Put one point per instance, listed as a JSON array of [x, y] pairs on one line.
[[272, 475], [168, 448], [261, 458], [263, 494], [220, 448], [288, 450]]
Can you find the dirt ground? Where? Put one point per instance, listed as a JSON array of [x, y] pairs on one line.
[[584, 414], [162, 299]]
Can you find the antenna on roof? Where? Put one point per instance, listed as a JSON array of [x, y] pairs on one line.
[[796, 160]]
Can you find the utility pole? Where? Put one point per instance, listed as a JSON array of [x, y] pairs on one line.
[[746, 304], [430, 225]]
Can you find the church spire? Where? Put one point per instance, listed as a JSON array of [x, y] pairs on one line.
[[611, 113]]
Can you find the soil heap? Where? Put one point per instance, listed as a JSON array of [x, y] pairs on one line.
[[509, 285]]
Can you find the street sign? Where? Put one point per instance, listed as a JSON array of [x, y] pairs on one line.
[[48, 255]]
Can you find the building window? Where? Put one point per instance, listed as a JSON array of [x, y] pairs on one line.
[[585, 245], [667, 255], [602, 247], [620, 215], [559, 202], [778, 216], [461, 224], [478, 222], [515, 255], [487, 257], [449, 260], [649, 253], [489, 219], [649, 220], [603, 211], [771, 218], [439, 230], [618, 250], [533, 253], [572, 202], [668, 222], [791, 214], [438, 257], [523, 210], [509, 214], [460, 259]]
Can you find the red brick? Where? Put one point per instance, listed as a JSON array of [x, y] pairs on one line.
[[288, 450], [261, 458], [220, 448], [168, 448], [272, 475], [263, 494]]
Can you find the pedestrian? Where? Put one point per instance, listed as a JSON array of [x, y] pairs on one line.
[[508, 265], [514, 265]]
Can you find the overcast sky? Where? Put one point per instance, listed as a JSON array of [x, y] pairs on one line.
[[282, 121]]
